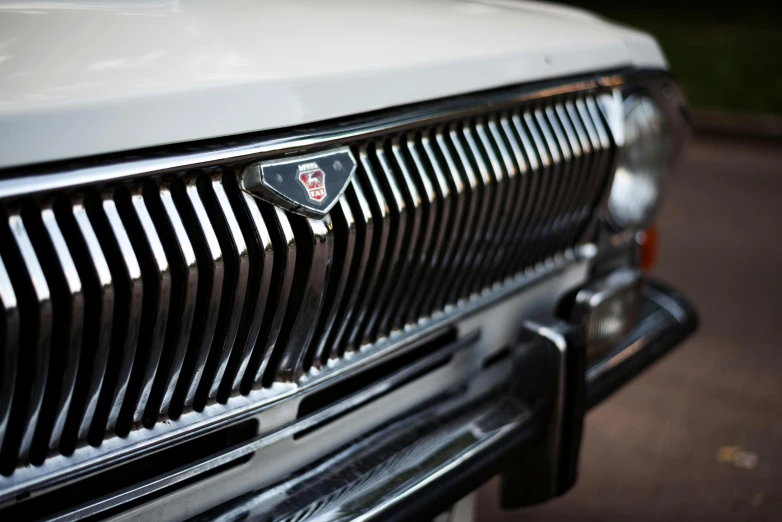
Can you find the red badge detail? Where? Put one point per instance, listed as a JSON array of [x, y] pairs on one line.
[[314, 181]]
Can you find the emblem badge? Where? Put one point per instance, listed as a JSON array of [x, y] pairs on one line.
[[309, 185], [313, 180]]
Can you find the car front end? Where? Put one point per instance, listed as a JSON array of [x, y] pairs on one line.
[[276, 261]]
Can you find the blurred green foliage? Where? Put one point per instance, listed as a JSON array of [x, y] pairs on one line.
[[723, 57]]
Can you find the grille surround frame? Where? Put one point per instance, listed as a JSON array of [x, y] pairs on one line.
[[433, 114]]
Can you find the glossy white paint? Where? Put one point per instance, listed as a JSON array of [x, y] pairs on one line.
[[91, 77]]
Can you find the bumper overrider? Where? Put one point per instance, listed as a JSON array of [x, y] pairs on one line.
[[527, 427]]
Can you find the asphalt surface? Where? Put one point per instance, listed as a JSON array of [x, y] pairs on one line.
[[699, 435]]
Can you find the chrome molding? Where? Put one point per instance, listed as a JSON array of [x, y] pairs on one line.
[[27, 181]]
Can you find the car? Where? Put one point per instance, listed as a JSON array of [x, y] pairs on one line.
[[321, 261]]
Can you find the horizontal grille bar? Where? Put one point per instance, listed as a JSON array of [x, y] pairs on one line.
[[143, 301]]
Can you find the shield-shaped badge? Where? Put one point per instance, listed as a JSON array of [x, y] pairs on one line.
[[309, 185], [314, 180]]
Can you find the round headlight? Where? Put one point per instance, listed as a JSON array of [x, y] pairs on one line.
[[641, 164]]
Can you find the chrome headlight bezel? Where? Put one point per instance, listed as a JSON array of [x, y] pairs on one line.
[[650, 126]]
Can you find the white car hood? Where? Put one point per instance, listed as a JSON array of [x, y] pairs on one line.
[[85, 78]]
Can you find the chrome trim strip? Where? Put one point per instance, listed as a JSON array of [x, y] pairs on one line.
[[417, 466], [293, 141]]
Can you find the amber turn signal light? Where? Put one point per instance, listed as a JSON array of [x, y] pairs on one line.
[[647, 242]]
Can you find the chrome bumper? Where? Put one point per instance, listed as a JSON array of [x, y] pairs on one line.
[[528, 428]]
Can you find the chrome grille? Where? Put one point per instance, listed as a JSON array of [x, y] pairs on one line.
[[133, 304]]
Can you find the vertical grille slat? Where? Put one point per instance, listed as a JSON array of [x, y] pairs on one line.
[[419, 196], [461, 222], [589, 166], [379, 253], [156, 277], [129, 291], [184, 290], [136, 304], [404, 229], [557, 172], [211, 271], [315, 245], [473, 220], [507, 180], [432, 267], [342, 275], [596, 139], [285, 254], [236, 266], [520, 198], [68, 321], [580, 169], [261, 264], [10, 338], [365, 229], [605, 150], [99, 296], [545, 184], [534, 190], [489, 213], [566, 180], [36, 313]]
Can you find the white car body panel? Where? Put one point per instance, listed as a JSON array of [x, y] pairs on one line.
[[85, 78]]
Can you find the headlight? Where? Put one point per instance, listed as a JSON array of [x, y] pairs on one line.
[[642, 162]]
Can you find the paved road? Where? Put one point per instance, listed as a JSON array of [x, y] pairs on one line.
[[699, 436]]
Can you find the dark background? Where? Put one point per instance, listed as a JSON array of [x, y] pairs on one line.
[[699, 435], [726, 56]]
